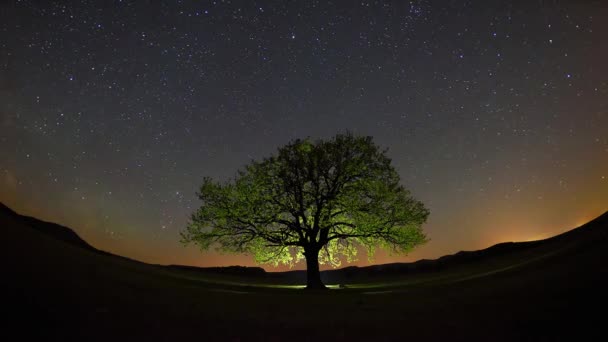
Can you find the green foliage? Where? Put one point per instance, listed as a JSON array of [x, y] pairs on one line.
[[327, 197]]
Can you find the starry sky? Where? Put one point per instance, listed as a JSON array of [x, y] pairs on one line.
[[495, 113]]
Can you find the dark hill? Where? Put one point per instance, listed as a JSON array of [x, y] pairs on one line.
[[58, 287], [588, 233], [53, 230], [593, 232], [67, 235]]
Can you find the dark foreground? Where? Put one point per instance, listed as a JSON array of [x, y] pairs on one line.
[[60, 289]]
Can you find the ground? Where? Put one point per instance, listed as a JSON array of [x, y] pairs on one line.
[[61, 291]]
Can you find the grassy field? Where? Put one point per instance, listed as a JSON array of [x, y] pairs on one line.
[[58, 290]]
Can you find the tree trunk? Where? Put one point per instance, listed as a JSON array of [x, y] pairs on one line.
[[313, 276]]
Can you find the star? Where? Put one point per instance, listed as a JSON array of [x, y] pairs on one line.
[[121, 109]]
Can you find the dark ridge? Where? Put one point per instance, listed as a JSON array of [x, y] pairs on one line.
[[583, 234], [62, 290], [51, 229], [461, 257], [58, 232], [6, 210], [55, 231]]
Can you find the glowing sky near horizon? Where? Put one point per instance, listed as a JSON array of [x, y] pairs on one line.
[[494, 113]]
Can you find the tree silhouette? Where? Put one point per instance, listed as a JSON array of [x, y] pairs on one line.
[[317, 200]]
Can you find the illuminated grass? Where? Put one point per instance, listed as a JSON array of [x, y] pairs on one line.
[[394, 284], [280, 286]]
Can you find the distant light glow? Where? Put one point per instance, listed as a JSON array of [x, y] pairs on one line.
[[110, 118]]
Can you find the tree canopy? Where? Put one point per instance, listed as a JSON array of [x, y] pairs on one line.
[[321, 200]]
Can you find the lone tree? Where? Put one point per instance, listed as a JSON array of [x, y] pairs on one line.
[[317, 200]]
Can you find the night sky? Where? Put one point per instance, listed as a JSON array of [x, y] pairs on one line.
[[495, 113]]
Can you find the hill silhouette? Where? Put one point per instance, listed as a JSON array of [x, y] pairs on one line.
[[590, 233], [53, 230], [580, 235], [60, 287]]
